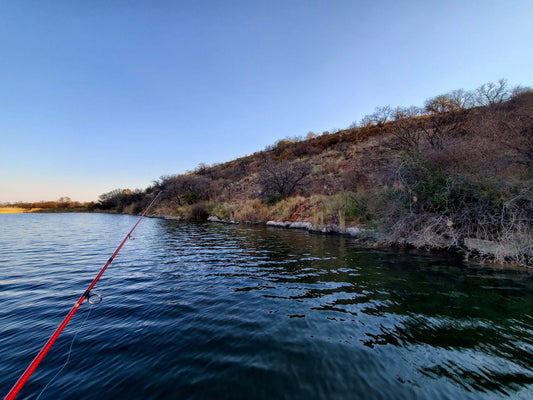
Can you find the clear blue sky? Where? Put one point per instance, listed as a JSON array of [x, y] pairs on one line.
[[98, 95]]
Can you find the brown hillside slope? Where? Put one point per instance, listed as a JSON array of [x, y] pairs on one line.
[[456, 177]]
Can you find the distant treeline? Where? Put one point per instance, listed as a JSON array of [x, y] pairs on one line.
[[455, 173], [61, 203]]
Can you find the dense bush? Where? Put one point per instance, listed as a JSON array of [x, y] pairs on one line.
[[119, 199], [198, 213]]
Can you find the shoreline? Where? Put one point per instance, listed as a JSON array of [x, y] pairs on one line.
[[20, 210], [472, 253], [475, 251]]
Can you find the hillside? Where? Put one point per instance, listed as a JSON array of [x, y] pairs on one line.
[[455, 174]]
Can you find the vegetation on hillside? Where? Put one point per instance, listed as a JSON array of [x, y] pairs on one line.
[[63, 204], [456, 173]]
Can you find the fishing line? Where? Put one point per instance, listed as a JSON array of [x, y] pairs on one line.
[[68, 354], [91, 297]]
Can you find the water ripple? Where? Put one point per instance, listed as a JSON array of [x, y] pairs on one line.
[[203, 311]]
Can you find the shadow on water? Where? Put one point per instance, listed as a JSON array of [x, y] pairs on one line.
[[205, 311]]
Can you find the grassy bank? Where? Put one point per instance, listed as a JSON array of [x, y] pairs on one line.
[[16, 210]]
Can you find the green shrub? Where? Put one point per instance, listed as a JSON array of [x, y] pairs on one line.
[[349, 207], [426, 183], [219, 210], [191, 197]]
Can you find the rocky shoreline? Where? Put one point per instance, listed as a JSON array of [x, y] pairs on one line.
[[354, 232], [481, 252]]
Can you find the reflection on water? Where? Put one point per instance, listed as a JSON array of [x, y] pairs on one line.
[[206, 311]]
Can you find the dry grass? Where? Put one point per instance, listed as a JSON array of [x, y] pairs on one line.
[[290, 209], [12, 210], [254, 211], [17, 210]]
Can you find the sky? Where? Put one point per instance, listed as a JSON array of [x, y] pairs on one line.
[[96, 95]]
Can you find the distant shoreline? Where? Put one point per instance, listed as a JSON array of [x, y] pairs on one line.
[[21, 210], [17, 210]]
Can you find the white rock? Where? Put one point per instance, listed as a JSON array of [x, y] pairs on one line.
[[301, 225], [354, 231]]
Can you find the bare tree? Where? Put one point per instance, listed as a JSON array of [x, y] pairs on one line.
[[411, 129], [378, 117], [464, 98], [406, 130], [442, 103], [283, 178], [366, 120], [493, 93], [439, 127]]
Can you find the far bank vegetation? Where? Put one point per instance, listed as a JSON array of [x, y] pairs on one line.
[[63, 204], [456, 173]]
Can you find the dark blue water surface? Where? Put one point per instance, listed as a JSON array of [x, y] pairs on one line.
[[209, 311]]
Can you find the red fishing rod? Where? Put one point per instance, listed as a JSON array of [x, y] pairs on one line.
[[86, 295]]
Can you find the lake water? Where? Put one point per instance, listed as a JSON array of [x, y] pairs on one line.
[[211, 311]]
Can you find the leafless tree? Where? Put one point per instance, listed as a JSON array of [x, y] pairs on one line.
[[378, 117], [464, 98], [282, 178], [440, 126], [493, 93], [406, 130], [442, 103]]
